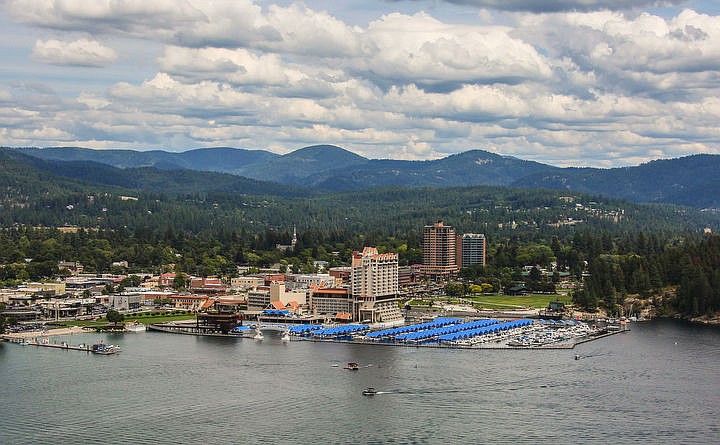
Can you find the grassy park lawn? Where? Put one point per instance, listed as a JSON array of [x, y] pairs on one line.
[[145, 318], [536, 301]]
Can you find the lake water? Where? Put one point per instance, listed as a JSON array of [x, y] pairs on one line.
[[658, 383]]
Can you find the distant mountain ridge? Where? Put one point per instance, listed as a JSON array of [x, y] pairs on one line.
[[75, 174], [691, 180]]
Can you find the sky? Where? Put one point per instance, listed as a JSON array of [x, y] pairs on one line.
[[599, 83]]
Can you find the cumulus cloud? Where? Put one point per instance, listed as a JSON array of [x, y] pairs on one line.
[[238, 67], [196, 24], [562, 5], [646, 54], [83, 52], [423, 50]]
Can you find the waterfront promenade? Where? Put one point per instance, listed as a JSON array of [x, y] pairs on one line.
[[43, 333]]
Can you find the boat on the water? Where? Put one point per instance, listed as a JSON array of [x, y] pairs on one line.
[[244, 331], [352, 366], [135, 327], [369, 391], [259, 335], [103, 349], [285, 337]]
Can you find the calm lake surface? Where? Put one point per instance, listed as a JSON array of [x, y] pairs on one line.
[[658, 383]]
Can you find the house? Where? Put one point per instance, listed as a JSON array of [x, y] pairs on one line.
[[167, 279], [520, 289]]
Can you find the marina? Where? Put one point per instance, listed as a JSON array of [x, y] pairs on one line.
[[440, 332], [456, 333]]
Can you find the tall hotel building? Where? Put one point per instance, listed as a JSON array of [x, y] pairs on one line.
[[471, 249], [374, 286], [439, 250]]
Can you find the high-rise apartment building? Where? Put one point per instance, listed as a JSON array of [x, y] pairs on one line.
[[439, 249], [471, 249], [374, 286]]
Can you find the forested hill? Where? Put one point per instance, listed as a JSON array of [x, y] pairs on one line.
[[86, 194], [691, 181], [29, 173]]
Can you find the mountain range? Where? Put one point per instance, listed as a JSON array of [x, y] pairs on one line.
[[691, 181]]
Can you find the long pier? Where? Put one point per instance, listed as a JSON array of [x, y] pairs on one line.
[[83, 348]]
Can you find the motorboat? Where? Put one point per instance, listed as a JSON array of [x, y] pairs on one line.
[[244, 331], [135, 327], [352, 366], [103, 349], [286, 337], [259, 335], [369, 391]]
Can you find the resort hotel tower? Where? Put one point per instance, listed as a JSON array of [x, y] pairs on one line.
[[374, 286], [439, 251]]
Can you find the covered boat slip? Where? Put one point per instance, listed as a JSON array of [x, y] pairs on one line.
[[340, 331], [392, 332], [433, 333], [480, 331], [454, 333], [304, 329]]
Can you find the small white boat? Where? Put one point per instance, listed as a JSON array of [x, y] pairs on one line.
[[286, 337], [369, 391], [135, 327], [258, 336]]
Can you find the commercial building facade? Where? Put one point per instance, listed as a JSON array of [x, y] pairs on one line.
[[439, 251], [471, 249]]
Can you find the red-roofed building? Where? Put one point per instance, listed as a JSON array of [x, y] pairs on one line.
[[167, 279], [188, 302], [327, 301], [212, 286]]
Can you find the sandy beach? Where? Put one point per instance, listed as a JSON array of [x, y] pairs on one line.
[[48, 333]]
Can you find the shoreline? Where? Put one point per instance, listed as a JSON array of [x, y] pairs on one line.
[[49, 333]]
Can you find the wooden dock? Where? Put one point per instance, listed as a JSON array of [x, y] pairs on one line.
[[84, 348]]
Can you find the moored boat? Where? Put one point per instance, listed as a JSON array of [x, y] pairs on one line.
[[103, 349], [244, 331], [135, 327]]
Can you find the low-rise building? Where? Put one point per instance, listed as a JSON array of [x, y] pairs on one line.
[[188, 302], [248, 282], [330, 301], [213, 286], [264, 296], [74, 267], [124, 301], [340, 273]]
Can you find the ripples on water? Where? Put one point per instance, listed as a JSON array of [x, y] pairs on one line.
[[657, 384]]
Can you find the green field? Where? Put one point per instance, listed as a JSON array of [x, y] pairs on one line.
[[535, 301], [145, 319]]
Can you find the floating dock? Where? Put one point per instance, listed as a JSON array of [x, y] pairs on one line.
[[84, 348]]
